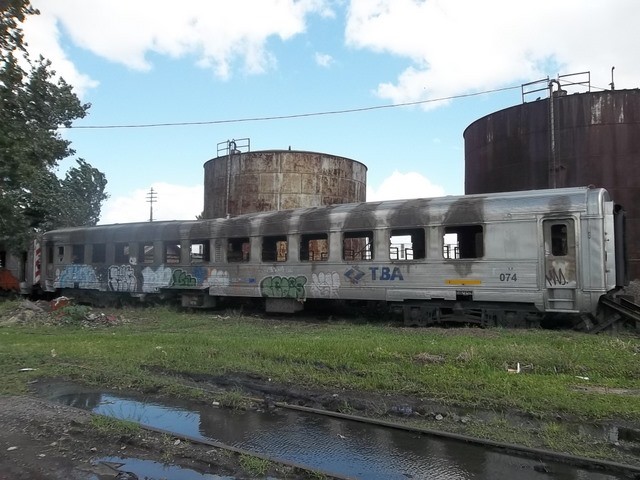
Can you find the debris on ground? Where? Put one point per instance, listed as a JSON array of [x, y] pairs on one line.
[[59, 311]]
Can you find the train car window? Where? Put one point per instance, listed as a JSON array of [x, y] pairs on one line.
[[3, 258], [200, 251], [60, 254], [275, 249], [121, 253], [238, 250], [407, 244], [314, 247], [463, 241], [77, 254], [145, 252], [172, 252], [49, 254], [559, 244], [99, 253], [357, 246]]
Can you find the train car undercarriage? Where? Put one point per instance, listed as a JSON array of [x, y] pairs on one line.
[[615, 312]]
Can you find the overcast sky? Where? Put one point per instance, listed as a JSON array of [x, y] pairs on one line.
[[160, 62]]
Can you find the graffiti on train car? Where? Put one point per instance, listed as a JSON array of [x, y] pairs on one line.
[[556, 277], [153, 280], [560, 274], [77, 276], [325, 285], [217, 280], [180, 278], [283, 287], [121, 278]]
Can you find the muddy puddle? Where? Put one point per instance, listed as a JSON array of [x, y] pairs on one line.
[[342, 447], [122, 467]]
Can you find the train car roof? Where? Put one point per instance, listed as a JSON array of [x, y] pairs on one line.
[[448, 210]]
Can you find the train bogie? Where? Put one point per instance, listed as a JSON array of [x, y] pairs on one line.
[[494, 259]]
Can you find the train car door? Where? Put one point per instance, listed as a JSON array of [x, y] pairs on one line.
[[560, 276]]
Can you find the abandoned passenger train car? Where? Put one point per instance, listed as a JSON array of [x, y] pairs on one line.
[[496, 259]]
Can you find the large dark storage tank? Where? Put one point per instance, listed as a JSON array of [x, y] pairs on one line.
[[595, 141], [247, 182]]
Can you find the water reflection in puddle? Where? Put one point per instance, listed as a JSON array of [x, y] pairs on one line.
[[150, 470], [347, 448]]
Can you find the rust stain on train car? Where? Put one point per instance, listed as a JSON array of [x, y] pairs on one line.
[[8, 281]]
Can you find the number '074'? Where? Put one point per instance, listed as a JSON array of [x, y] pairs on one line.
[[508, 277]]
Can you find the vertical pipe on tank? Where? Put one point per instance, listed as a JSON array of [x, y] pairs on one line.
[[552, 136], [230, 151]]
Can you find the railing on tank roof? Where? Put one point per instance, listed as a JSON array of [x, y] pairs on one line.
[[235, 145], [568, 83]]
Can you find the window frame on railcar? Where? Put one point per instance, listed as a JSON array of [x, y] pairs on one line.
[[121, 253], [236, 251], [274, 248], [318, 252], [146, 252], [204, 255], [368, 249], [171, 257], [469, 243], [399, 252]]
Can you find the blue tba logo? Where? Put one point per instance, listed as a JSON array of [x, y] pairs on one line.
[[355, 275]]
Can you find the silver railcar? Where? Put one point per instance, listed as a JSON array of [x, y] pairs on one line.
[[494, 259]]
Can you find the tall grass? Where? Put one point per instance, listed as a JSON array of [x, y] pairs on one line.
[[563, 371]]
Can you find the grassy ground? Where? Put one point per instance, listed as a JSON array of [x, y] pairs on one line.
[[561, 372]]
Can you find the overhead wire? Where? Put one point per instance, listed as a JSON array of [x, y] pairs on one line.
[[295, 115]]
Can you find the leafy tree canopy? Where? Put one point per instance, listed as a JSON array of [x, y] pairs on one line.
[[33, 106]]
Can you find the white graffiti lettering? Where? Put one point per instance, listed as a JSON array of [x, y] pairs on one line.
[[217, 280], [325, 285], [154, 280]]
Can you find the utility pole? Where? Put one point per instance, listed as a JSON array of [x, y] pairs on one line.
[[152, 197]]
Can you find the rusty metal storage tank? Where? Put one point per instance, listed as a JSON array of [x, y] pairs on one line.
[[595, 140], [245, 181]]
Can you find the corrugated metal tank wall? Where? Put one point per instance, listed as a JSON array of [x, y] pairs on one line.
[[280, 179], [596, 141]]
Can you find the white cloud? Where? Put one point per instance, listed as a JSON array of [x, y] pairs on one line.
[[42, 34], [216, 34], [179, 202], [462, 46], [323, 59], [451, 47], [404, 186], [174, 202]]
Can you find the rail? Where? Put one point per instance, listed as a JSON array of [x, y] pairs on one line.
[[618, 310]]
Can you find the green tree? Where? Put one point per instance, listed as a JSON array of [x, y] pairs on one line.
[[34, 104]]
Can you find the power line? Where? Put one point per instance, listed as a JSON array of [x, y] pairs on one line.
[[297, 115]]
